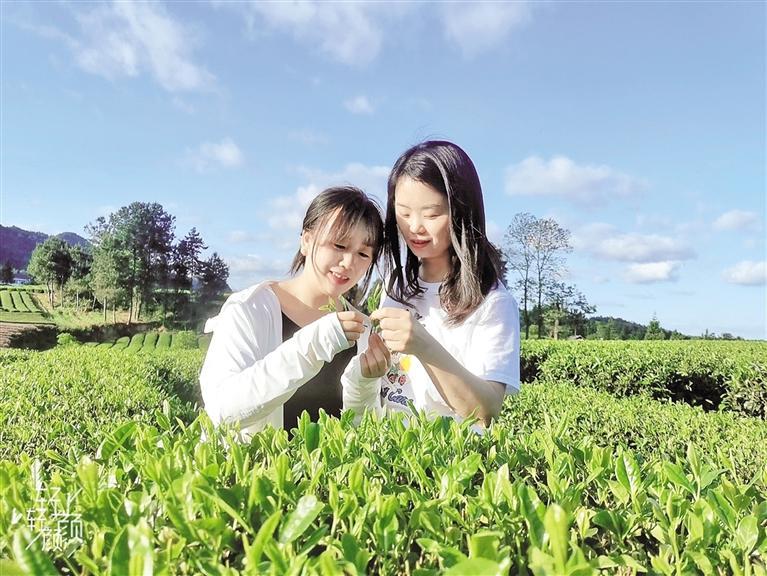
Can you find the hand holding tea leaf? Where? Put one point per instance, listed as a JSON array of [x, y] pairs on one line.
[[402, 331], [353, 324], [373, 302], [376, 360], [352, 321]]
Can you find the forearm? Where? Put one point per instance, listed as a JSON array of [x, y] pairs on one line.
[[236, 389], [462, 390]]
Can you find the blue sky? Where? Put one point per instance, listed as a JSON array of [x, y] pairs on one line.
[[640, 127]]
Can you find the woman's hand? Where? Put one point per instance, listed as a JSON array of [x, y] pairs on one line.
[[400, 331], [375, 361], [352, 323]]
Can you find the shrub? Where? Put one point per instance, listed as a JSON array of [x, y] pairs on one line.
[[184, 340], [66, 339]]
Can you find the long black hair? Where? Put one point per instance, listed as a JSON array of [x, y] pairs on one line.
[[353, 207], [475, 263]]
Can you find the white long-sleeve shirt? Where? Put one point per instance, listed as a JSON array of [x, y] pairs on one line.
[[249, 372]]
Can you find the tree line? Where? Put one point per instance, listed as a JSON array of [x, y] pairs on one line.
[[134, 263], [536, 251]]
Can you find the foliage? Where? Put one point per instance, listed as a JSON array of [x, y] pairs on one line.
[[566, 304], [433, 497], [142, 234], [654, 331], [66, 339], [569, 480], [51, 264], [65, 398], [213, 275], [184, 340], [727, 375], [650, 428], [535, 248], [18, 305]]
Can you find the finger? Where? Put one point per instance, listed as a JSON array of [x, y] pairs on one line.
[[365, 368], [377, 343], [392, 324], [352, 336], [394, 343], [351, 316], [389, 312], [389, 336], [352, 326], [379, 358]]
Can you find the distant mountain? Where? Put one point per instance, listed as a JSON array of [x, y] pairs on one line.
[[17, 244]]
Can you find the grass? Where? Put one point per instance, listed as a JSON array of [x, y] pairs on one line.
[[24, 318]]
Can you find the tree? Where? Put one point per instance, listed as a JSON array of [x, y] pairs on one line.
[[51, 264], [144, 233], [79, 280], [186, 259], [6, 273], [108, 273], [535, 248], [654, 331], [566, 304], [213, 276], [519, 258]]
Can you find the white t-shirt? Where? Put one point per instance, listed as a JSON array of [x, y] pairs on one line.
[[486, 344]]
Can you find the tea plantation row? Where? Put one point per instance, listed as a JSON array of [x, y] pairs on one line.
[[712, 374], [568, 481]]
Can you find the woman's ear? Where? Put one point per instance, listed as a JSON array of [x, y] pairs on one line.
[[306, 241]]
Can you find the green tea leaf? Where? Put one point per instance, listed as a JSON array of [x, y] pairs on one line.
[[747, 533], [29, 554], [557, 526], [264, 535], [476, 567], [485, 544], [307, 509]]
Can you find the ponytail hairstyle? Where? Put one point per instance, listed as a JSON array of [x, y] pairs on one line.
[[475, 263], [353, 207]]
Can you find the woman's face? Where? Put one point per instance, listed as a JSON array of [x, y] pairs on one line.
[[337, 263], [423, 219]]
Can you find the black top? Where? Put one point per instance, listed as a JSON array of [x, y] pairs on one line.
[[322, 391]]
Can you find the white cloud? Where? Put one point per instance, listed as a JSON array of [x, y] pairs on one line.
[[289, 210], [736, 220], [247, 270], [494, 232], [480, 26], [359, 105], [603, 241], [589, 185], [308, 138], [651, 272], [747, 273], [185, 107], [125, 38], [345, 31], [240, 237], [224, 154]]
